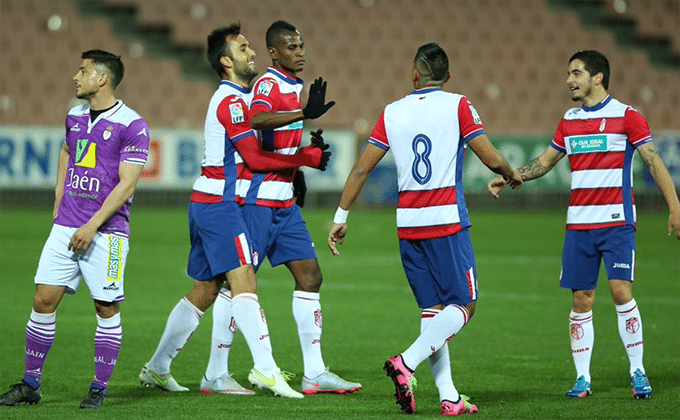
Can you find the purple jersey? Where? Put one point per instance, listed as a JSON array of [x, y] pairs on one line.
[[96, 150]]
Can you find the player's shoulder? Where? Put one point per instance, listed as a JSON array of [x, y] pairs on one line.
[[79, 110]]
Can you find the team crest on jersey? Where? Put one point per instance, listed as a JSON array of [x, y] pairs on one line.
[[107, 133], [86, 153], [475, 115], [603, 124], [265, 88], [236, 111]]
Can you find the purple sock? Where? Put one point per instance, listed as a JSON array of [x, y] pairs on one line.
[[39, 338], [107, 341]]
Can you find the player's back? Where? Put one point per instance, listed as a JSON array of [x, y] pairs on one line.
[[424, 136]]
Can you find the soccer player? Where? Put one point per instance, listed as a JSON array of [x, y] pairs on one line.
[[274, 221], [220, 243], [600, 138], [428, 132], [100, 162]]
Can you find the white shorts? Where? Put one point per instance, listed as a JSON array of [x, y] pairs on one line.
[[102, 266]]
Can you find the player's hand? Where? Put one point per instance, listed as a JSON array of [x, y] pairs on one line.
[[317, 141], [336, 236], [674, 224], [515, 180], [495, 186], [316, 103], [81, 240], [299, 188]]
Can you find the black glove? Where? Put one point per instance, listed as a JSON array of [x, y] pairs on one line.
[[317, 141], [316, 105], [299, 188]]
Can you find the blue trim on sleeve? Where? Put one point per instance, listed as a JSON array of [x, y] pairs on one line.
[[473, 135], [559, 149], [378, 144]]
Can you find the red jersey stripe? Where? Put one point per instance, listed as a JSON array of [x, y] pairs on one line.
[[613, 125], [596, 160], [589, 226], [427, 198], [595, 196], [428, 232], [213, 172], [201, 197]]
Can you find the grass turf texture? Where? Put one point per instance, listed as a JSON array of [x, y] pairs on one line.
[[513, 358]]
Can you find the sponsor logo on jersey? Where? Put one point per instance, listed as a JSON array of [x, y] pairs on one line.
[[236, 111], [113, 266], [83, 183], [265, 88], [588, 144], [86, 153], [632, 325], [616, 215], [75, 128], [475, 115], [143, 133]]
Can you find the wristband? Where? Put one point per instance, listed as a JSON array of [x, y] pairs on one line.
[[340, 216]]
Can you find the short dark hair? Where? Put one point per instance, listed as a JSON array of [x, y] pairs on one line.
[[432, 62], [594, 62], [217, 45], [111, 61], [275, 30]]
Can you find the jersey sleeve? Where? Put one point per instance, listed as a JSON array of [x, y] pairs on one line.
[[468, 120], [265, 97], [557, 142], [135, 143], [379, 134], [636, 128], [232, 114]]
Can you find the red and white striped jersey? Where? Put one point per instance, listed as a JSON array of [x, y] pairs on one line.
[[600, 142], [225, 124], [427, 132], [275, 91]]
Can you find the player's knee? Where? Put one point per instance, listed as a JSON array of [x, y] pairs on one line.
[[45, 304]]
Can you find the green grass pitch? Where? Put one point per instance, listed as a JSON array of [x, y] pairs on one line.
[[513, 358]]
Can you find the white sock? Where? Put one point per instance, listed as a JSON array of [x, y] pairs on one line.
[[441, 328], [182, 322], [223, 330], [250, 319], [440, 363], [630, 330], [308, 317], [582, 339]]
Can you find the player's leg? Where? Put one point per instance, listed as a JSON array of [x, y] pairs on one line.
[[619, 256], [103, 268], [252, 322], [580, 269], [57, 274], [217, 378]]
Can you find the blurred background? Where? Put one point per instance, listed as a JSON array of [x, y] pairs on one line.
[[509, 57]]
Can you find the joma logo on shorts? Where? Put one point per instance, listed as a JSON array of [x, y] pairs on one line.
[[621, 265]]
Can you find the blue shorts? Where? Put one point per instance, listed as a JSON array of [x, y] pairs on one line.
[[278, 233], [441, 270], [219, 240], [585, 249]]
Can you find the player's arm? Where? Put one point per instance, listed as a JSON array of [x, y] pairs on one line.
[[532, 170], [665, 183], [353, 186], [129, 174], [64, 155], [262, 119], [259, 160], [494, 160]]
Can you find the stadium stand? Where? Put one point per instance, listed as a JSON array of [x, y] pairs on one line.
[[508, 56]]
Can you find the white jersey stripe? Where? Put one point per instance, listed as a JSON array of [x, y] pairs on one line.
[[428, 216], [596, 214], [597, 178]]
